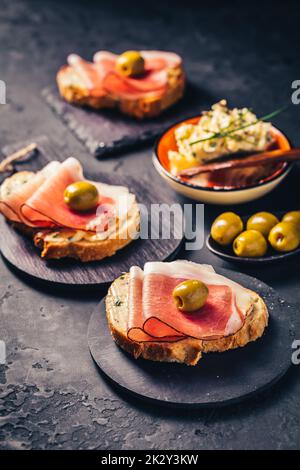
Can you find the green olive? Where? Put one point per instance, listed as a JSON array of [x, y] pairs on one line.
[[190, 295], [130, 63], [263, 222], [293, 217], [250, 244], [81, 196], [226, 227], [284, 237]]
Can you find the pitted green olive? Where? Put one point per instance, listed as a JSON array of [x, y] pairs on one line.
[[284, 237], [81, 196], [130, 64], [190, 295], [293, 217], [250, 244], [226, 227], [263, 222]]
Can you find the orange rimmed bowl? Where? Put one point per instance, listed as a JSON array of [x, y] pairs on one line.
[[222, 187]]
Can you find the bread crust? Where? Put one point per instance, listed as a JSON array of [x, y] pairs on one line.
[[188, 351], [83, 250], [73, 90]]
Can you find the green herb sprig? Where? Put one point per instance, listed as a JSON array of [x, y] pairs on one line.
[[224, 133]]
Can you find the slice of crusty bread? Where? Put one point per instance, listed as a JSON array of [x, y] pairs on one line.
[[14, 182], [78, 244], [74, 91], [188, 351], [84, 245]]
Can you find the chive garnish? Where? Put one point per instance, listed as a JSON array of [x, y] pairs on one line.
[[218, 135]]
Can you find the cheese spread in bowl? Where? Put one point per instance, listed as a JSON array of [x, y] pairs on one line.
[[219, 132]]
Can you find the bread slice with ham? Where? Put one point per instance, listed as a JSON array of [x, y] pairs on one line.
[[34, 204], [145, 322], [98, 84]]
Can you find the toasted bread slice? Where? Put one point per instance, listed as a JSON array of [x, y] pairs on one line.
[[78, 244], [74, 91], [86, 246], [188, 351], [14, 182]]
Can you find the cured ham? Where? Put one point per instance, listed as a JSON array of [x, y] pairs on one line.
[[154, 60], [40, 202], [152, 84], [46, 207], [153, 315], [100, 76], [136, 317], [11, 204], [89, 74]]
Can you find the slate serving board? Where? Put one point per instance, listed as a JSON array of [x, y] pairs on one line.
[[219, 378], [20, 252], [108, 132]]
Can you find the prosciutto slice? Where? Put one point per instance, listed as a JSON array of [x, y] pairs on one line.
[[101, 77], [152, 84], [11, 204], [136, 313], [47, 206], [153, 315], [88, 74], [157, 60], [40, 202]]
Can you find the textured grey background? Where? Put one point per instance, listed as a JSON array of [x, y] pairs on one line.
[[51, 393]]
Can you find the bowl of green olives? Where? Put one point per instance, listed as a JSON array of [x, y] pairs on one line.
[[263, 237]]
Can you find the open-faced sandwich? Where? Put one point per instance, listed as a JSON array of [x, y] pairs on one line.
[[67, 215], [176, 311], [140, 83]]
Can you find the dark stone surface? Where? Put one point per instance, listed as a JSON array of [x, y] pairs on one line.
[[51, 393]]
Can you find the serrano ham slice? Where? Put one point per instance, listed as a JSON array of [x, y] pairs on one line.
[[154, 316], [100, 77], [46, 206], [136, 317], [88, 74], [154, 60], [39, 202], [157, 60], [10, 204], [131, 88]]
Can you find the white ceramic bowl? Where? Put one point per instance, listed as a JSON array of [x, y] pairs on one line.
[[217, 195]]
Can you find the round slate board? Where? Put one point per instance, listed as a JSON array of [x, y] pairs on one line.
[[218, 379], [20, 252]]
